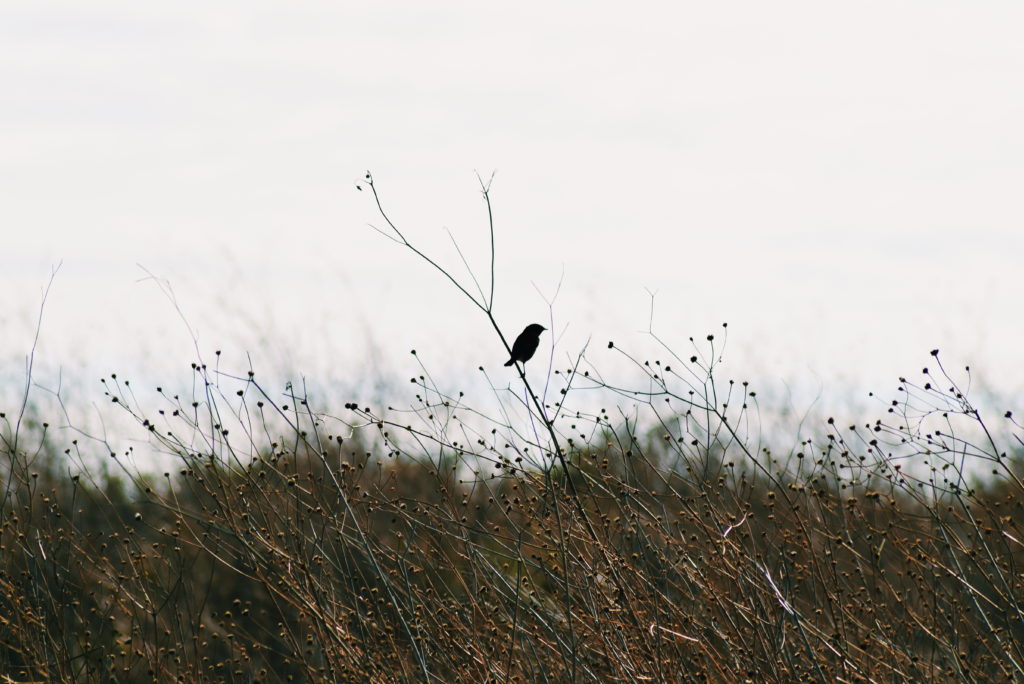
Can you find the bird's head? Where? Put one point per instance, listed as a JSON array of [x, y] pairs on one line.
[[535, 329]]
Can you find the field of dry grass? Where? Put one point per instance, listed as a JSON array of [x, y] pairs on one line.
[[420, 547], [662, 537]]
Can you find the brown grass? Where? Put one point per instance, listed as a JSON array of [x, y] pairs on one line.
[[660, 538], [457, 550]]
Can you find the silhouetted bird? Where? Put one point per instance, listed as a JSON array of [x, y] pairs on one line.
[[526, 344]]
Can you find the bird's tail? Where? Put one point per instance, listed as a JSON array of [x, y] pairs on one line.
[[510, 362]]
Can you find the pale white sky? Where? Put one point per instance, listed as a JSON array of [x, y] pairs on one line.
[[841, 183]]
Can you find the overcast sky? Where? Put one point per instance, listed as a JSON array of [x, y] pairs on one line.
[[841, 183]]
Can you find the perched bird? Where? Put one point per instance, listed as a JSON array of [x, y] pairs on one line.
[[526, 344]]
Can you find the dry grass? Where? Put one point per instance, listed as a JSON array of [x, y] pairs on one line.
[[656, 539], [443, 551]]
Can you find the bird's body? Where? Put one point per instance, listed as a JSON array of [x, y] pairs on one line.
[[526, 344]]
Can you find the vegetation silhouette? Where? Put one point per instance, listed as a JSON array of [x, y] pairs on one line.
[[545, 541]]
